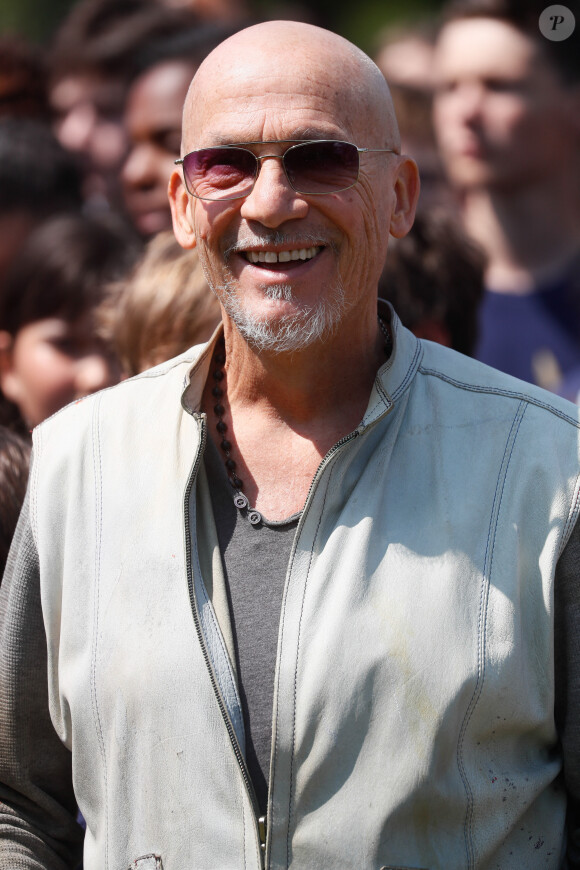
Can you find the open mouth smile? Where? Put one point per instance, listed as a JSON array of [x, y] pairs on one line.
[[272, 257]]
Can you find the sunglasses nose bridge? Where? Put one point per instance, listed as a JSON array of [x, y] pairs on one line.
[[260, 157]]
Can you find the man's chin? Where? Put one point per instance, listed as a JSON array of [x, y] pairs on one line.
[[286, 326]]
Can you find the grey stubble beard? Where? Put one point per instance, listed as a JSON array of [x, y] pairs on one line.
[[290, 332]]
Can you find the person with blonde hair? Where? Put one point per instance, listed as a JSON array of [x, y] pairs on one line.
[[164, 307]]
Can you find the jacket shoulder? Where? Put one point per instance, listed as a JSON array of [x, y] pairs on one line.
[[130, 399], [464, 373]]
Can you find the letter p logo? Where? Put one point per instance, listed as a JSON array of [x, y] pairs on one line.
[[557, 23]]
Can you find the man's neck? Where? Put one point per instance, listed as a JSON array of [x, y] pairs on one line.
[[528, 235], [321, 381], [284, 411]]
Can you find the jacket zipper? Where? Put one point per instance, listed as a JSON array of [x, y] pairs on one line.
[[260, 821], [324, 462], [335, 447]]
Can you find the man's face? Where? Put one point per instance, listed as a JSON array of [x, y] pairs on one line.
[[153, 120], [340, 238], [501, 114]]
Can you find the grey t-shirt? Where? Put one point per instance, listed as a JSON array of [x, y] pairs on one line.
[[255, 560]]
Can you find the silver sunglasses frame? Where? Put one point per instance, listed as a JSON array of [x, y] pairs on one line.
[[293, 143]]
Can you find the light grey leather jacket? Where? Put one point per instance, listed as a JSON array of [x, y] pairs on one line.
[[413, 721]]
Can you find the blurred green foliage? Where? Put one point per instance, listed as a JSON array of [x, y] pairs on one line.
[[361, 20], [364, 20], [34, 19]]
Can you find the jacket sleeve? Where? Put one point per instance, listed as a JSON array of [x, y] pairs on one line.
[[567, 666], [38, 828]]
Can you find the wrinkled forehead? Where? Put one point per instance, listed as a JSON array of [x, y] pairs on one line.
[[278, 94]]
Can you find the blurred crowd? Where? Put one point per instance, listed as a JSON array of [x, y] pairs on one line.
[[94, 288]]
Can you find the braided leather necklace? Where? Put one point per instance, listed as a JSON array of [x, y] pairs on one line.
[[241, 500]]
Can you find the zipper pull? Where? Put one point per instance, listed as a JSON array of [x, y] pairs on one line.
[[262, 830]]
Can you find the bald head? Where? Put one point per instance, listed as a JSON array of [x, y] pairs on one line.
[[272, 74]]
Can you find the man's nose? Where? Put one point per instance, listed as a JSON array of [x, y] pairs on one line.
[[273, 200]]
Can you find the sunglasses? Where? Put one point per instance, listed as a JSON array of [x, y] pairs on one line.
[[312, 168]]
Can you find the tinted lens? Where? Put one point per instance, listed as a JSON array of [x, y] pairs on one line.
[[322, 167], [219, 173]]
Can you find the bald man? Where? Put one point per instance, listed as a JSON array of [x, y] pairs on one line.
[[304, 596]]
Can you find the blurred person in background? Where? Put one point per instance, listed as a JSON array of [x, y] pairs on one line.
[[227, 11], [433, 277], [38, 178], [14, 461], [23, 90], [92, 62], [50, 352], [405, 57], [161, 309], [507, 116], [153, 120]]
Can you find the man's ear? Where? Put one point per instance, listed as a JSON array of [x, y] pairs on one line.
[[179, 201], [407, 187]]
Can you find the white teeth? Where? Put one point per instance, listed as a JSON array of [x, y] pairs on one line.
[[282, 256]]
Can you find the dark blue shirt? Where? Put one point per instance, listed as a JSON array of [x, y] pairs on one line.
[[519, 331]]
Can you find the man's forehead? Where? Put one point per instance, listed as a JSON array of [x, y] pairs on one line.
[[299, 103], [291, 77], [273, 115], [279, 79]]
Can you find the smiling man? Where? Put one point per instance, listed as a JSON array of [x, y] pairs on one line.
[[308, 591]]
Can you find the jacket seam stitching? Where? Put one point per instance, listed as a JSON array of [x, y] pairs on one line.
[[482, 626], [409, 375], [414, 367], [35, 460], [242, 802], [498, 391], [97, 468]]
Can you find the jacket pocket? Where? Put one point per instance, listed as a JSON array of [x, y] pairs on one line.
[[147, 862]]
